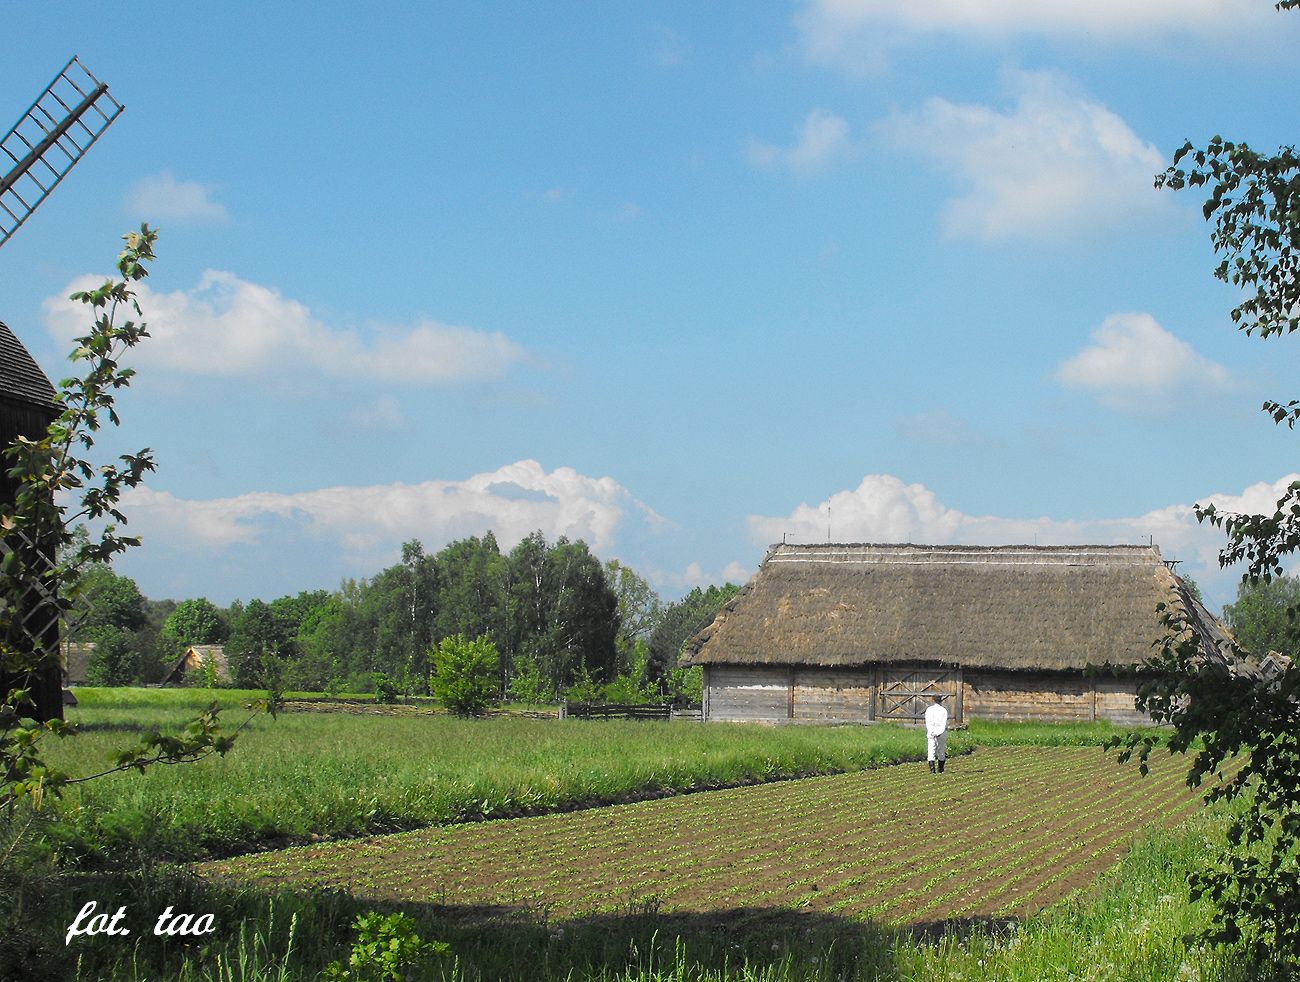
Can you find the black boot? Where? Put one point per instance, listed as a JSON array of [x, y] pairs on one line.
[[941, 763], [931, 767]]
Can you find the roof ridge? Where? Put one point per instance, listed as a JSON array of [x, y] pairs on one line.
[[1001, 555]]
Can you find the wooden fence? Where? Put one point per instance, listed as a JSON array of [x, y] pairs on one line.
[[649, 710]]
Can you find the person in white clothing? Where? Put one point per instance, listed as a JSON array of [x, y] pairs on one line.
[[936, 735]]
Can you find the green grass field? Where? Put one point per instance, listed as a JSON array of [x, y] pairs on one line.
[[308, 776]]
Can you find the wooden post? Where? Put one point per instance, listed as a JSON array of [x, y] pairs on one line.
[[791, 710], [875, 685], [961, 690]]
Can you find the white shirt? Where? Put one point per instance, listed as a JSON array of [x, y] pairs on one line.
[[936, 719]]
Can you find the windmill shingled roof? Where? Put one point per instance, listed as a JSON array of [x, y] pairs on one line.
[[1010, 607], [21, 379]]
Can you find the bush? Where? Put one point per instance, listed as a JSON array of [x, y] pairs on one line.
[[387, 948], [584, 688], [627, 690], [209, 674], [527, 685], [385, 688], [686, 685], [465, 674], [114, 660]]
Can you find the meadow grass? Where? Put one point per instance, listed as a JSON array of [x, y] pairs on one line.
[[306, 775], [1000, 733]]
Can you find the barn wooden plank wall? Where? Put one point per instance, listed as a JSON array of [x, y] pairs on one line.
[[753, 693]]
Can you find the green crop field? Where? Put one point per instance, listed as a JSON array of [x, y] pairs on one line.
[[1003, 833]]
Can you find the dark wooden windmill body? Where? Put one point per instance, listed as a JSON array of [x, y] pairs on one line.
[[27, 408], [42, 147]]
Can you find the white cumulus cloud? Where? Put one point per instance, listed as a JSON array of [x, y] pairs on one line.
[[821, 141], [369, 522], [162, 198], [857, 35], [885, 509], [1054, 164], [228, 326], [695, 575], [1134, 363]]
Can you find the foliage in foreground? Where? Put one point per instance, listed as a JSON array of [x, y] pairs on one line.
[[45, 554], [1254, 211]]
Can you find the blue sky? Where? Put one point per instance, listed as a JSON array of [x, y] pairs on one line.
[[675, 278]]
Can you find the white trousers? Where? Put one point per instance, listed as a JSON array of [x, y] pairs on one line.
[[936, 746]]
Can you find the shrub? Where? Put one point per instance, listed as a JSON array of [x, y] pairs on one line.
[[465, 674], [626, 689], [528, 685], [584, 688], [209, 673], [387, 949], [385, 688], [686, 684]]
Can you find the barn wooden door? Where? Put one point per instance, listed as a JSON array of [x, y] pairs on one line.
[[906, 693]]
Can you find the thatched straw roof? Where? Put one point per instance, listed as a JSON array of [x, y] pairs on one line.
[[192, 661], [76, 661], [1046, 608]]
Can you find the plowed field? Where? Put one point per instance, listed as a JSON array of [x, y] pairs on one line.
[[1004, 832]]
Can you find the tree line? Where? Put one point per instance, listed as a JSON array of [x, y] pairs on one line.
[[563, 624]]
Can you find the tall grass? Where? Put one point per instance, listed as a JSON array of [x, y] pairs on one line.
[[308, 775]]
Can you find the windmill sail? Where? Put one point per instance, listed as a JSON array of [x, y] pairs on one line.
[[49, 139]]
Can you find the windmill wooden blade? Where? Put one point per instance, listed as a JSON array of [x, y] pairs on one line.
[[49, 139]]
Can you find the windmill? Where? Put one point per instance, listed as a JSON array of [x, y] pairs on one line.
[[49, 138], [61, 125]]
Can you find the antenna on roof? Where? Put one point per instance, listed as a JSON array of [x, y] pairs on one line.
[[49, 138]]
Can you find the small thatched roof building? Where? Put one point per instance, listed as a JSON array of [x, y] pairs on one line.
[[864, 632], [192, 661], [76, 662]]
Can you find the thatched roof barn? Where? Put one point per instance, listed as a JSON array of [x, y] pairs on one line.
[[863, 632], [76, 662], [192, 661], [27, 407]]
